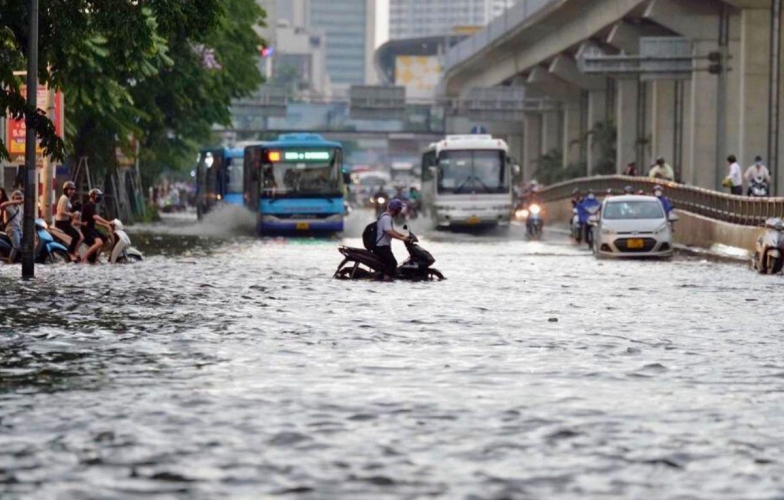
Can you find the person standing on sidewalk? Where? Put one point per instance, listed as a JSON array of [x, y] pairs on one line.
[[734, 179]]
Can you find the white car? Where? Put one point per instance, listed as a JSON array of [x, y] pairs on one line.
[[633, 226]]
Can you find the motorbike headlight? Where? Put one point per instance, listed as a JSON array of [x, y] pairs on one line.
[[535, 209], [380, 200]]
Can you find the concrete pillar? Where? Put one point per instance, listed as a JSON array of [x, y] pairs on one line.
[[532, 145], [626, 120], [700, 156], [597, 113], [572, 133], [754, 73], [663, 119], [551, 135]]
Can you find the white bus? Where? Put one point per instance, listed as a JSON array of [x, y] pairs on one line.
[[466, 181]]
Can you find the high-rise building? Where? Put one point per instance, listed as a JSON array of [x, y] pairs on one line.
[[419, 18], [350, 26]]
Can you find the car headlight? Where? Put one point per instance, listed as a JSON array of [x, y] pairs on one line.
[[607, 231], [665, 228], [521, 214]]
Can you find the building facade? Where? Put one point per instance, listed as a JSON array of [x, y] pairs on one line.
[[422, 18]]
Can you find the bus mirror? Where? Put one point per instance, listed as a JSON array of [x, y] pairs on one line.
[[516, 169]]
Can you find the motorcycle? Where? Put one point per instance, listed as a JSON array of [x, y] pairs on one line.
[[117, 245], [534, 220], [769, 253], [47, 250], [584, 229], [759, 188], [417, 267]]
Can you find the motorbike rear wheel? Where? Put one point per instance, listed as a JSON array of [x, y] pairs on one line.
[[57, 257], [360, 274]]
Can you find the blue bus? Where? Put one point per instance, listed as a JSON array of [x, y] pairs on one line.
[[219, 178], [296, 184]]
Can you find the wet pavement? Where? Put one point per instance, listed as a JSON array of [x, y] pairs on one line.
[[232, 367]]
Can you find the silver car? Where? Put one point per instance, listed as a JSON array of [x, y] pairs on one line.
[[632, 226]]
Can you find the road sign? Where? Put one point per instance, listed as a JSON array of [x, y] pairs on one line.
[[17, 129]]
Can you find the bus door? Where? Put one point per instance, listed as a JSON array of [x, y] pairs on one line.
[[251, 178]]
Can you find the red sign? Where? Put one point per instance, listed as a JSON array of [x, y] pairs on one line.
[[17, 129]]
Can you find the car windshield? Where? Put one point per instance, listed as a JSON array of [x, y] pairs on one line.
[[302, 178], [634, 210], [463, 172]]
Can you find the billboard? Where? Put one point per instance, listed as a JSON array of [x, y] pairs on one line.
[[417, 72], [16, 130]]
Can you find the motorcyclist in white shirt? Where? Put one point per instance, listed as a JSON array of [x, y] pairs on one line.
[[758, 173]]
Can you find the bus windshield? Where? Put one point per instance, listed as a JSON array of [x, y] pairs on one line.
[[297, 174], [478, 171]]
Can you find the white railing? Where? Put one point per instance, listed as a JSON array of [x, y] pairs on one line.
[[500, 26]]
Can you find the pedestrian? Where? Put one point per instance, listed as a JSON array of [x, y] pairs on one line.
[[630, 170], [734, 179], [385, 232], [14, 214], [63, 220], [658, 192], [662, 171]]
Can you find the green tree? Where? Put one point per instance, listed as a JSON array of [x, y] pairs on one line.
[[133, 69]]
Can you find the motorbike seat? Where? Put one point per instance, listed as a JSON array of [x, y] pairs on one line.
[[363, 256]]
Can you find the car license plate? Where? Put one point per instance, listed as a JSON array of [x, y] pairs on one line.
[[303, 226], [635, 244], [473, 220]]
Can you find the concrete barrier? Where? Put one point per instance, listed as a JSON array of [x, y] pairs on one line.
[[691, 230]]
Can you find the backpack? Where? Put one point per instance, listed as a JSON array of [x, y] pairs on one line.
[[370, 237]]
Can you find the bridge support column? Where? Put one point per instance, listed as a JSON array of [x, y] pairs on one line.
[[754, 74], [702, 165], [551, 136], [663, 120], [597, 113], [572, 133], [626, 120], [532, 145]]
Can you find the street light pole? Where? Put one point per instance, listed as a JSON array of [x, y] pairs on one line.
[[28, 228]]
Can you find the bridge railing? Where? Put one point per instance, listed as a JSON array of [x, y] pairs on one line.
[[741, 210]]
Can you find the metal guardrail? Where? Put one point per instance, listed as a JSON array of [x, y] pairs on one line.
[[741, 210], [501, 25]]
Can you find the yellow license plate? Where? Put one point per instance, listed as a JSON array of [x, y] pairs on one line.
[[474, 220], [303, 226], [635, 244]]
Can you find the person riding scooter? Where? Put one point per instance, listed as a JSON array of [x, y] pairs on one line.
[[90, 218], [658, 192], [14, 212], [589, 207], [63, 220]]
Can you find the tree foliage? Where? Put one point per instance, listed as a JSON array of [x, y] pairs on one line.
[[134, 69]]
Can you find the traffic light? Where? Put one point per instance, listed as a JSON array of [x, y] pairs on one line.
[[716, 63]]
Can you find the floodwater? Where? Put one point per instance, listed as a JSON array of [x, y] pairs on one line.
[[233, 367]]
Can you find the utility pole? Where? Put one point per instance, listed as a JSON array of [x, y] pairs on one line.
[[721, 93], [28, 228]]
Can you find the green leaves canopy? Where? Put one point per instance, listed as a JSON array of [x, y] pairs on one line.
[[133, 69]]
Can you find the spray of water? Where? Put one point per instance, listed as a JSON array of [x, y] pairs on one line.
[[223, 221]]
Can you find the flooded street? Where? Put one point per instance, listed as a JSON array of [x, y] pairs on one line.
[[234, 367]]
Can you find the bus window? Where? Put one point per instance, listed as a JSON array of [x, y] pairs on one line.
[[233, 175]]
